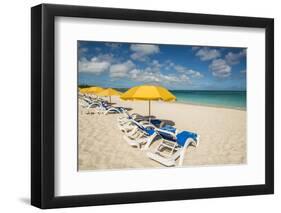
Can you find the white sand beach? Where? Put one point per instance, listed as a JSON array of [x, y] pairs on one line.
[[222, 136]]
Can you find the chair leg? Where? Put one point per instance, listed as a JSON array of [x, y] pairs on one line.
[[197, 141], [181, 157], [189, 141]]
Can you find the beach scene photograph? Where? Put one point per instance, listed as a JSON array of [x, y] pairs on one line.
[[148, 106]]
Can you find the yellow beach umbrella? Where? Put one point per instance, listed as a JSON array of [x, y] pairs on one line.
[[148, 92], [109, 92], [94, 90], [83, 90]]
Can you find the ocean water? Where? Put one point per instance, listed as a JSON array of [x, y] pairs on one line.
[[229, 99]]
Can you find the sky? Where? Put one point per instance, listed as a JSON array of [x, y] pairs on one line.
[[176, 67]]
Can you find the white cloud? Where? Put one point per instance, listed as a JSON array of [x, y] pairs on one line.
[[142, 51], [220, 68], [206, 54], [234, 58], [149, 76], [156, 64], [189, 72], [168, 64], [121, 70], [107, 57], [184, 77], [195, 74], [96, 65], [154, 72]]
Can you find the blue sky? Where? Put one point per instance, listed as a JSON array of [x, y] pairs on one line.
[[176, 67]]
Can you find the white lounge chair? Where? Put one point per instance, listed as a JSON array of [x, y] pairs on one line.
[[103, 108], [125, 121], [89, 102], [125, 117], [131, 126], [139, 135], [172, 147]]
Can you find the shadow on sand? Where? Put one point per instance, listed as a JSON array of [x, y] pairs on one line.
[[168, 122]]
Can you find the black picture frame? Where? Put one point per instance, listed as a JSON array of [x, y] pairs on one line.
[[43, 102]]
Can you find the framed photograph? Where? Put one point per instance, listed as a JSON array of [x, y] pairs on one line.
[[136, 106]]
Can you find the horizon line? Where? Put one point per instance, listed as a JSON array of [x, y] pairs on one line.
[[86, 85]]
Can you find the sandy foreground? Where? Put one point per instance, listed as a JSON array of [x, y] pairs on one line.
[[222, 136]]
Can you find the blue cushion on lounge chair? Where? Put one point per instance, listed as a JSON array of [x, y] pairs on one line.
[[169, 128], [149, 131], [166, 135], [155, 122], [104, 105], [184, 135]]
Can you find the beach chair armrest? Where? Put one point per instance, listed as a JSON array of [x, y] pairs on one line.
[[148, 126]]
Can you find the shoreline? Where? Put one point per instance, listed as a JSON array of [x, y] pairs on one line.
[[210, 105], [200, 105], [243, 108]]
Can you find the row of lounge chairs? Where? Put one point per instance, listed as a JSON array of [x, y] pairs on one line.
[[141, 132], [98, 105]]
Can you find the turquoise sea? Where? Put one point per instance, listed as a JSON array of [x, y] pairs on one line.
[[230, 99]]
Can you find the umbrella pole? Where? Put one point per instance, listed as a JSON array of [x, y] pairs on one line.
[[110, 99]]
